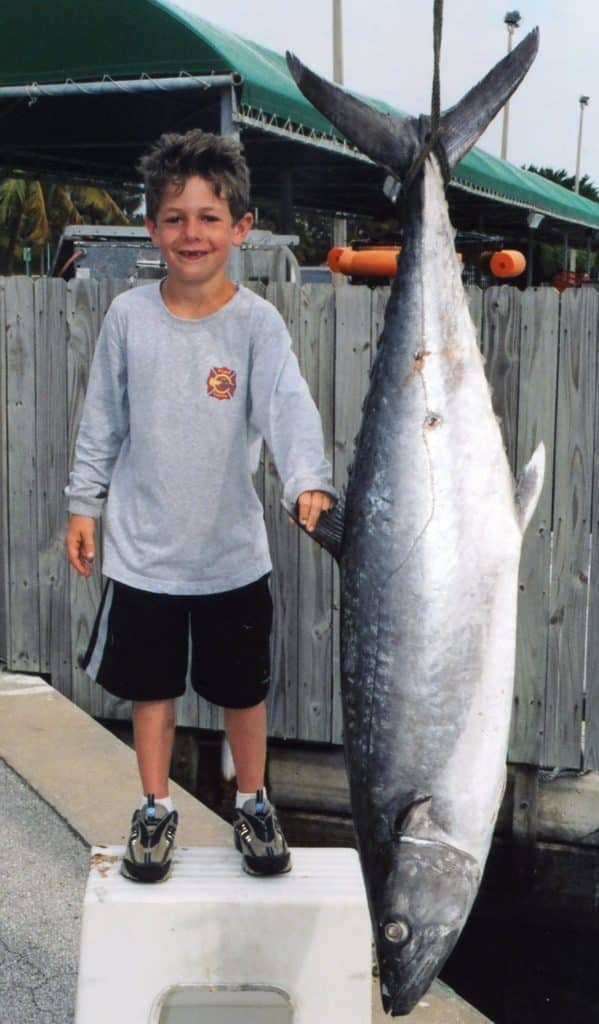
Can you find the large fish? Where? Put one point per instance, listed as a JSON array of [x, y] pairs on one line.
[[428, 541]]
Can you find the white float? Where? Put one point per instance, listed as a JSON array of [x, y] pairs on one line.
[[213, 945]]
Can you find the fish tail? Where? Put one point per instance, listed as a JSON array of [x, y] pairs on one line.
[[394, 141]]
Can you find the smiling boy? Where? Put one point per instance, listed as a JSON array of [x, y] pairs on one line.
[[188, 376]]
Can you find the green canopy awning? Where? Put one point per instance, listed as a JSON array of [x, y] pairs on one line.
[[102, 137]]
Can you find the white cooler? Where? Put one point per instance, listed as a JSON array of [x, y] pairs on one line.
[[213, 945]]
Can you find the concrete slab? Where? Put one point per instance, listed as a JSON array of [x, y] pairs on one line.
[[84, 772], [78, 782]]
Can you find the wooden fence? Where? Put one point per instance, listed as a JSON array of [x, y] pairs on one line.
[[540, 352]]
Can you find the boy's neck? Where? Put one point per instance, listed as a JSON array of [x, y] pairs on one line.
[[195, 302]]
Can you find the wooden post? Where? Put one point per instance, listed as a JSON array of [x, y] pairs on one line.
[[525, 824]]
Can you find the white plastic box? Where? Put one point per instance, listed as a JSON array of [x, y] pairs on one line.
[[213, 945]]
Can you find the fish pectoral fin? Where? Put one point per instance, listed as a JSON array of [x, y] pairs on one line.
[[529, 487], [415, 818], [329, 529]]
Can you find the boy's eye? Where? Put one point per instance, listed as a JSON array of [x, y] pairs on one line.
[[171, 220]]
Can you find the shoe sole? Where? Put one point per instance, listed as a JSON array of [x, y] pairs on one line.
[[149, 873], [266, 869], [263, 866]]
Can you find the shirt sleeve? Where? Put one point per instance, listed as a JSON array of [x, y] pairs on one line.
[[104, 422], [283, 412]]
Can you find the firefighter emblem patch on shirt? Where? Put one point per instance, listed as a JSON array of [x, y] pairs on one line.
[[221, 382]]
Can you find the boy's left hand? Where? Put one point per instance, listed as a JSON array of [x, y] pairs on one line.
[[309, 506]]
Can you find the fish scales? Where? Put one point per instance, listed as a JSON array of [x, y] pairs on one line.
[[440, 448]]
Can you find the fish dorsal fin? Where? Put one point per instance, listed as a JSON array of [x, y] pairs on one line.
[[386, 139], [463, 124], [529, 487], [329, 529]]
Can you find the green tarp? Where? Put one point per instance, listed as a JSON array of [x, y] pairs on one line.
[[44, 41]]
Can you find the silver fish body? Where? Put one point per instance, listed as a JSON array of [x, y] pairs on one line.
[[432, 532]]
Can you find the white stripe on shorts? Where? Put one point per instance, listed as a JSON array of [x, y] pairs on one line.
[[100, 644]]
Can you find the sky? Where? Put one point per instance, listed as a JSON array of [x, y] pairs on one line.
[[388, 54]]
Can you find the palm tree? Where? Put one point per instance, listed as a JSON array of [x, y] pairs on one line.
[[34, 213]]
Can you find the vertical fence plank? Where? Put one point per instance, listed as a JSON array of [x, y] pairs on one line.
[[591, 734], [474, 295], [284, 545], [571, 519], [106, 704], [501, 348], [5, 649], [51, 404], [315, 627], [536, 422], [22, 488], [353, 348], [82, 324]]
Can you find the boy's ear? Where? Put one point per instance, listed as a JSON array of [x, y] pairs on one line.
[[242, 228], [150, 228]]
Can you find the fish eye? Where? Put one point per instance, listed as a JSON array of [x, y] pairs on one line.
[[398, 932]]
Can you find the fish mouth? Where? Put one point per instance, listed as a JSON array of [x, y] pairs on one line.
[[403, 985]]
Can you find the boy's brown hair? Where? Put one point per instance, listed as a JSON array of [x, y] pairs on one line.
[[174, 158]]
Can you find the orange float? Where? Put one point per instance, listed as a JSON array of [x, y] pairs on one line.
[[507, 263], [379, 261]]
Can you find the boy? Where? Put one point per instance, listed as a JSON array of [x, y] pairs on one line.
[[188, 376]]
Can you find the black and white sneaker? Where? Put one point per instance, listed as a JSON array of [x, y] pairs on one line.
[[149, 853], [259, 838]]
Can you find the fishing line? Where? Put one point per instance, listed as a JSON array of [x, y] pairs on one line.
[[433, 142]]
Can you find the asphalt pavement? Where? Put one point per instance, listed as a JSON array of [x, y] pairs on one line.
[[43, 871]]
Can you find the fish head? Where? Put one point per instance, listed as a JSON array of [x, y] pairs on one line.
[[420, 895]]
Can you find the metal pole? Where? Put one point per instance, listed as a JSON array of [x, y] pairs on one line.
[[337, 42], [228, 127], [36, 92], [583, 101], [512, 20], [339, 223]]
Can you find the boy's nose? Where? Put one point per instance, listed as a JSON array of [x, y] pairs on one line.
[[192, 231]]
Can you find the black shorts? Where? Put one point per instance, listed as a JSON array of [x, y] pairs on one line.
[[140, 644]]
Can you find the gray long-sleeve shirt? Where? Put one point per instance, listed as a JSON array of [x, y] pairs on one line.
[[170, 435]]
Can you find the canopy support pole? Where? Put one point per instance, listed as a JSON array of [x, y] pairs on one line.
[[229, 128], [35, 91]]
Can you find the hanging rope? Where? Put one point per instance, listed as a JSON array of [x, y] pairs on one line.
[[433, 141], [436, 96]]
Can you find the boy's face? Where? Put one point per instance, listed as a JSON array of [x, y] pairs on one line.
[[195, 231]]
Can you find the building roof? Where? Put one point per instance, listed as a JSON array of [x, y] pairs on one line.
[[100, 137]]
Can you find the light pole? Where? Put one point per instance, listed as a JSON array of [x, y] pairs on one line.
[[339, 223], [337, 42], [583, 101], [512, 20]]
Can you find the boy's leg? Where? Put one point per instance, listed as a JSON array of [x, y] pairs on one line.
[[148, 855], [246, 732], [258, 834], [153, 735]]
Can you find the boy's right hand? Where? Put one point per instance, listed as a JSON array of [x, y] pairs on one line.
[[80, 543]]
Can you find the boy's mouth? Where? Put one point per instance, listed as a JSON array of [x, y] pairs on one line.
[[191, 254]]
